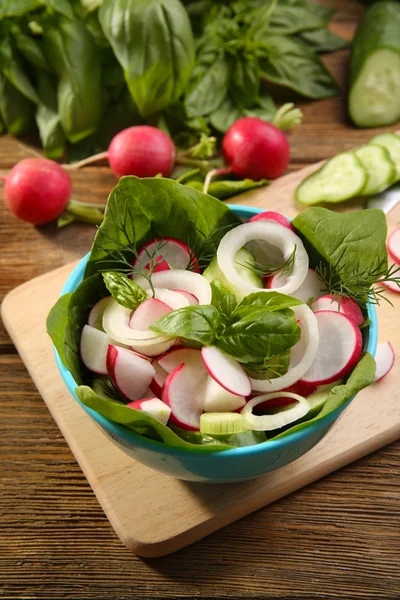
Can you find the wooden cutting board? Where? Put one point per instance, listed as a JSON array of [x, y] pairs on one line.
[[152, 513]]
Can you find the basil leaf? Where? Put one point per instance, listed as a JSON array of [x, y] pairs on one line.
[[362, 376], [142, 423], [323, 40], [192, 323], [61, 6], [260, 334], [16, 111], [2, 127], [124, 290], [74, 57], [227, 188], [11, 67], [30, 49], [288, 62], [290, 19], [272, 300], [16, 8], [153, 42], [208, 93], [264, 108], [140, 210], [47, 118], [223, 299], [245, 80]]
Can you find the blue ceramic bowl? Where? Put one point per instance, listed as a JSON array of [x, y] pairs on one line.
[[229, 465]]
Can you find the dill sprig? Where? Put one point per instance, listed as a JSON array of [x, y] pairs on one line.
[[201, 253], [362, 283], [111, 390], [265, 270]]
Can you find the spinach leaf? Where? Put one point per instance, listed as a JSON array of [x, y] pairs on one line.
[[74, 57], [225, 115], [227, 188], [234, 440], [323, 40], [56, 326], [273, 300], [47, 118], [288, 62], [16, 111], [16, 8], [223, 299], [140, 210], [208, 93], [124, 290], [143, 424], [12, 68], [200, 324], [361, 377], [260, 333], [153, 42]]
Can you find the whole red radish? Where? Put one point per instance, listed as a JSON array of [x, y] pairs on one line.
[[255, 149], [37, 190], [143, 151]]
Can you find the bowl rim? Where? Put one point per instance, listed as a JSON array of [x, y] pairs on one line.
[[119, 431]]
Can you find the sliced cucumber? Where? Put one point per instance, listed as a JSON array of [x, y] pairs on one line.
[[244, 261], [374, 98], [391, 142], [379, 166], [340, 178], [221, 423]]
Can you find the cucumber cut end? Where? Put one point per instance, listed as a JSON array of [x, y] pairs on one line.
[[380, 167], [374, 99], [391, 142], [341, 178]]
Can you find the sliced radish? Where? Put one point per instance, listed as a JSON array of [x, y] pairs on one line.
[[340, 345], [310, 288], [173, 251], [173, 299], [178, 356], [384, 358], [177, 279], [183, 391], [116, 320], [191, 298], [131, 373], [303, 354], [347, 306], [93, 349], [147, 313], [226, 371], [393, 245], [280, 419], [270, 215], [160, 265], [97, 311], [153, 407], [218, 399], [391, 285], [272, 234], [158, 380]]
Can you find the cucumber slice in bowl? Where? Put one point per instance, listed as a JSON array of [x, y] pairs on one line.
[[374, 98], [340, 178], [379, 166], [391, 142]]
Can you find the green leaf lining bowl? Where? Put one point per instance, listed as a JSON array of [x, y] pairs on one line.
[[224, 466]]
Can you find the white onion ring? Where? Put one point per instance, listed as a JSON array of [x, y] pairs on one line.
[[310, 330], [179, 279], [280, 419], [272, 233]]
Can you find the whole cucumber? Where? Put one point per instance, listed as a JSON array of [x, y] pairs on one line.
[[374, 98]]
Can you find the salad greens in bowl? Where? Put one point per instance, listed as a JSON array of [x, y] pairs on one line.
[[217, 343]]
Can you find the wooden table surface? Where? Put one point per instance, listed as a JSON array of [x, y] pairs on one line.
[[338, 538]]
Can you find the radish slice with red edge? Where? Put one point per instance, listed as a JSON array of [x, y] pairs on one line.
[[393, 245], [173, 299], [391, 285], [131, 373], [191, 298], [183, 392], [384, 358], [158, 380], [218, 399], [160, 265], [179, 279], [272, 234], [96, 314], [347, 306], [173, 251], [278, 420], [339, 348], [147, 313], [270, 215], [300, 388], [309, 288], [178, 356], [153, 407], [226, 371], [308, 346], [93, 349]]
